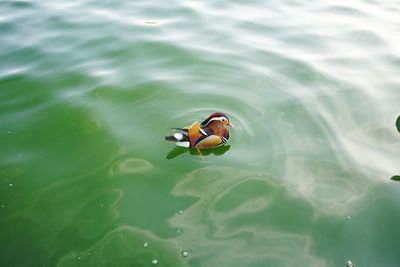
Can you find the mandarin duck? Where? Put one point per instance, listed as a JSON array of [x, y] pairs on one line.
[[212, 132]]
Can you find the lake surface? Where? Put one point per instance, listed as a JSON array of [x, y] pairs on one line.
[[89, 89]]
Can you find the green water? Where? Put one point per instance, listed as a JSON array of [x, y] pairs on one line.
[[88, 90]]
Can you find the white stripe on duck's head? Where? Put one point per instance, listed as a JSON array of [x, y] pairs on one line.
[[217, 117]]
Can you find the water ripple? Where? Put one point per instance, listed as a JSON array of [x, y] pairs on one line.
[[89, 89]]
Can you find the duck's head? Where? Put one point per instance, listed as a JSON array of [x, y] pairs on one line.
[[217, 118]]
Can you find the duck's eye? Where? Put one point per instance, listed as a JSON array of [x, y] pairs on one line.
[[223, 120]]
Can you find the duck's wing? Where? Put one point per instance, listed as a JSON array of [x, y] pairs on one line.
[[194, 133], [209, 142]]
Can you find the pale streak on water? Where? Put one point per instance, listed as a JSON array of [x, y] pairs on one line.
[[312, 88]]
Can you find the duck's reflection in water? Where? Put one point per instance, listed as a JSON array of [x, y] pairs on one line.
[[218, 151]]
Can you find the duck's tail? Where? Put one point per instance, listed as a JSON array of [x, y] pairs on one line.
[[180, 138]]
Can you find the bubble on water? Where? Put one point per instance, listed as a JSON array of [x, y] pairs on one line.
[[101, 205], [185, 253], [154, 261], [348, 218], [350, 264], [9, 132], [79, 257], [258, 175], [180, 212], [151, 22], [19, 156], [89, 253], [145, 244], [10, 185], [178, 231], [2, 205]]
